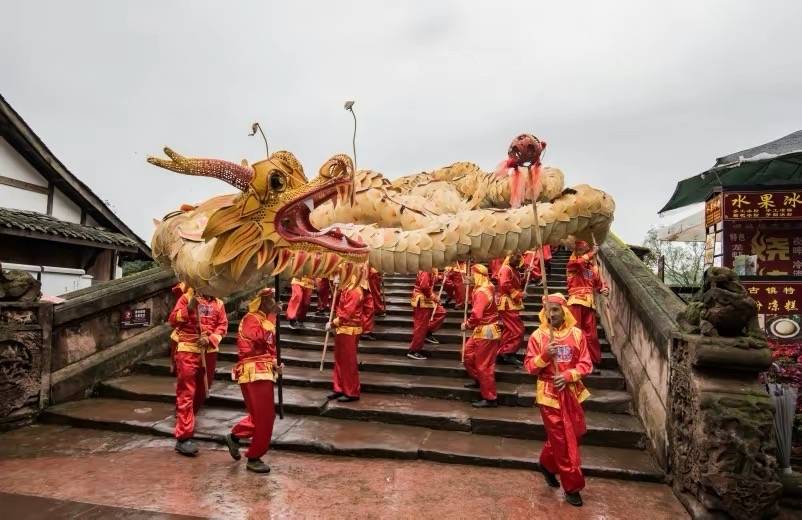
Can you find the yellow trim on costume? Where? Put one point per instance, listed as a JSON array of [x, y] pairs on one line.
[[568, 324], [584, 299], [492, 331], [552, 400], [304, 281], [217, 337], [507, 303], [250, 370], [540, 362], [178, 316], [192, 346], [420, 300], [174, 335], [349, 330], [573, 375]]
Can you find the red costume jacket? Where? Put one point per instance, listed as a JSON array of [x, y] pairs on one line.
[[213, 323], [484, 314], [583, 279], [510, 291], [422, 293], [348, 312], [256, 343], [573, 362]]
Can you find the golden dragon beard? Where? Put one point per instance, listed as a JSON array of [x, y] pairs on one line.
[[230, 242]]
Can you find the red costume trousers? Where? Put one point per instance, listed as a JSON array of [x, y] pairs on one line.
[[586, 320], [323, 295], [480, 363], [345, 378], [189, 389], [560, 454], [299, 302], [455, 288], [423, 324], [258, 424], [376, 291], [511, 333]]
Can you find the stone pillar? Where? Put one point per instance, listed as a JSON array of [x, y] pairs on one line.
[[723, 454], [25, 345]]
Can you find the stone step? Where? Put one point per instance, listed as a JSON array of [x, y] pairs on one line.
[[441, 387], [621, 431], [308, 354], [532, 302], [351, 438], [297, 339], [446, 335]]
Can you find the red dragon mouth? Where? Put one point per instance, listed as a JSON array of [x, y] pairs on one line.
[[293, 224]]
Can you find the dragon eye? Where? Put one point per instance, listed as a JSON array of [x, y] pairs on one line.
[[278, 182]]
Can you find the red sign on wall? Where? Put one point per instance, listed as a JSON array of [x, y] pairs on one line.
[[778, 246], [773, 205], [779, 298]]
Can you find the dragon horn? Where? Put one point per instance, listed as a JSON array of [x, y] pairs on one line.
[[237, 175]]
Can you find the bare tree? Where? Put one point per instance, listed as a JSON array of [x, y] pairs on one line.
[[683, 261]]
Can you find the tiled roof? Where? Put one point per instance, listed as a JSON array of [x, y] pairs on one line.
[[789, 143], [31, 221]]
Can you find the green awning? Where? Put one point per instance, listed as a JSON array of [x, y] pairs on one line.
[[779, 170]]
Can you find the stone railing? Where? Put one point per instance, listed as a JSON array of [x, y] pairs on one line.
[[640, 322], [53, 353]]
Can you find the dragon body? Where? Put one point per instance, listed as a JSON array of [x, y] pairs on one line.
[[279, 222]]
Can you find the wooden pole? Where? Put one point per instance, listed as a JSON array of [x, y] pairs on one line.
[[331, 317], [203, 350], [544, 277], [465, 308], [439, 294], [280, 379]]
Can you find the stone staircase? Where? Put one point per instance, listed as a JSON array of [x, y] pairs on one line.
[[409, 409]]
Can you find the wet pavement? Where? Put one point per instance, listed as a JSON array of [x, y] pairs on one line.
[[90, 473]]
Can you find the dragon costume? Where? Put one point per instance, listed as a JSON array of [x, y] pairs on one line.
[[280, 222]]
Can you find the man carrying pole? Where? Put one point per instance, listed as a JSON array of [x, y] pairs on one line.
[[427, 314], [299, 300], [583, 281], [557, 353], [482, 347], [510, 304], [376, 282], [201, 322], [347, 325], [256, 372]]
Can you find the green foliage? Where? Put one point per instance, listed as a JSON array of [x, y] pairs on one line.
[[684, 262], [137, 266]]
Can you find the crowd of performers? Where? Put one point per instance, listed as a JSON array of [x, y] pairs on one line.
[[562, 350]]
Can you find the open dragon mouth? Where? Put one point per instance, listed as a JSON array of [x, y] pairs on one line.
[[293, 224]]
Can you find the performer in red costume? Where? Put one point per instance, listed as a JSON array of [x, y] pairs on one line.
[[510, 304], [377, 291], [368, 308], [530, 261], [201, 322], [455, 285], [347, 325], [583, 281], [482, 347], [299, 300], [423, 301], [256, 372], [560, 392], [323, 295]]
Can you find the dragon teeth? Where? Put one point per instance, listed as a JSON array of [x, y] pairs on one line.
[[309, 203]]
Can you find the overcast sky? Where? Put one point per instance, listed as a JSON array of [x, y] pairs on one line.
[[630, 96]]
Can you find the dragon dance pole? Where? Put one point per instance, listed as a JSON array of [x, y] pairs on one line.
[[465, 309], [528, 275], [543, 278], [280, 379], [328, 330], [439, 294]]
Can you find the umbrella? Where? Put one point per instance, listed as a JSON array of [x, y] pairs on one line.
[[784, 399]]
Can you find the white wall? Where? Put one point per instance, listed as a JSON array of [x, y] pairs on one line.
[[65, 209], [13, 165]]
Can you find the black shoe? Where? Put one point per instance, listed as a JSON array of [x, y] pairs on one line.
[[369, 336], [575, 499], [472, 384], [347, 399], [515, 361], [293, 324], [416, 355], [257, 466], [233, 446], [550, 478], [334, 395], [186, 448], [431, 339], [484, 403]]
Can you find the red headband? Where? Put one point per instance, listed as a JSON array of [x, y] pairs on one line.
[[555, 298]]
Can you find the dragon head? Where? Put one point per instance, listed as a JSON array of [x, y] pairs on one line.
[[267, 224]]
